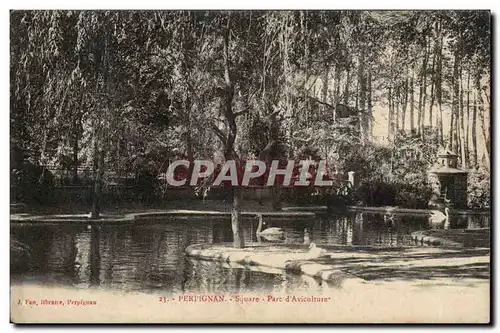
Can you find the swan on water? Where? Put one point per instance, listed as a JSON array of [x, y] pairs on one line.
[[315, 251], [269, 233], [437, 217], [307, 237]]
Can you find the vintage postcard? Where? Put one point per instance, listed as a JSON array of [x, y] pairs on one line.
[[250, 166]]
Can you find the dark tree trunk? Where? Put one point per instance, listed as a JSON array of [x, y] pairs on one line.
[[356, 96], [404, 105], [412, 103], [419, 109], [396, 99], [336, 86], [461, 125], [424, 89], [439, 90], [450, 131], [229, 154], [97, 187], [484, 132], [75, 151], [474, 133], [369, 115], [362, 97], [433, 82], [454, 105], [389, 118], [346, 91], [467, 129], [435, 59], [325, 83]]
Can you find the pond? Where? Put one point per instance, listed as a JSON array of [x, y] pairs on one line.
[[150, 257]]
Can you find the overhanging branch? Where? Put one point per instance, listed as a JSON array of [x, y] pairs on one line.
[[219, 133], [319, 101]]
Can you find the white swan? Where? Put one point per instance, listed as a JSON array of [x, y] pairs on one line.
[[269, 233], [437, 217], [307, 237], [315, 252]]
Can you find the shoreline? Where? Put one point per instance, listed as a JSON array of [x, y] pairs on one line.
[[286, 212]]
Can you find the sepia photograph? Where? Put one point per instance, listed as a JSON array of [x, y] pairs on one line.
[[250, 166]]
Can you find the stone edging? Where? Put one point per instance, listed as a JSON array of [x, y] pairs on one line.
[[287, 212], [137, 217], [392, 210], [306, 266]]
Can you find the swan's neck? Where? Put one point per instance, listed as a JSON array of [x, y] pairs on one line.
[[259, 228]]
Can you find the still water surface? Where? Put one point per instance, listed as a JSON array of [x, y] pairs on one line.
[[151, 258]]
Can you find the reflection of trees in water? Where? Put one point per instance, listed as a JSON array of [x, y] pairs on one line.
[[218, 233], [95, 256], [331, 234], [358, 225], [470, 221], [485, 221], [161, 250], [318, 231], [205, 276], [221, 228], [116, 254], [62, 251], [477, 221], [200, 231], [249, 227], [53, 252], [348, 231], [109, 252], [39, 240], [214, 277], [343, 230], [457, 222], [361, 228], [399, 230], [334, 230], [130, 257], [83, 251], [152, 256]]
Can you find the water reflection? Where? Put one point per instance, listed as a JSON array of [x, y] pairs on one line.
[[95, 257], [151, 257]]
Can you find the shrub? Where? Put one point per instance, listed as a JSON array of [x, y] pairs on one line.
[[478, 189], [32, 183], [379, 192]]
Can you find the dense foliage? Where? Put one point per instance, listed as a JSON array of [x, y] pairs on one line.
[[114, 95]]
